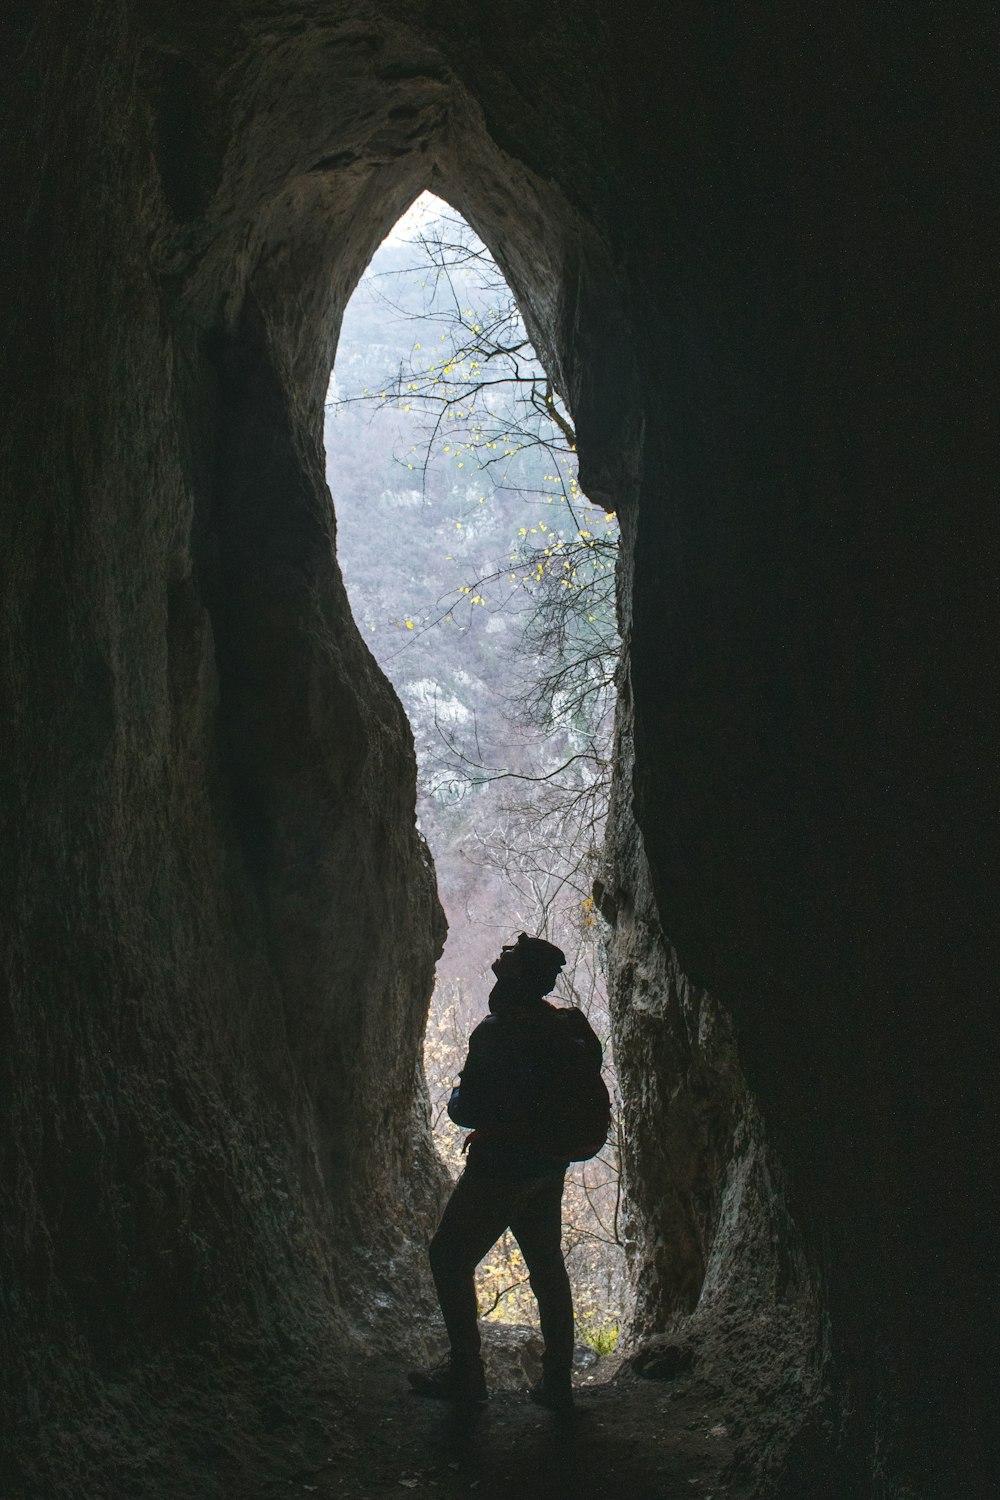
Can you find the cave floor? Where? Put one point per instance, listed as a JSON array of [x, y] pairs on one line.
[[647, 1440], [722, 1404]]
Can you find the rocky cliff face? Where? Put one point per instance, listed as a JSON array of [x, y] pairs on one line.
[[687, 1115], [219, 924], [724, 1284], [220, 921]]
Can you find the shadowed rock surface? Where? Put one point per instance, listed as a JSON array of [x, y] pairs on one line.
[[748, 249]]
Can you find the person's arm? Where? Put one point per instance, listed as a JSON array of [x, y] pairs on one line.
[[472, 1104]]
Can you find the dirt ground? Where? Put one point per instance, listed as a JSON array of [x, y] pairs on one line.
[[717, 1413], [646, 1440], [725, 1409]]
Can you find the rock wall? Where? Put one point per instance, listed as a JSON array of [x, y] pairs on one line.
[[220, 923], [748, 247], [725, 1289], [683, 1095], [807, 670]]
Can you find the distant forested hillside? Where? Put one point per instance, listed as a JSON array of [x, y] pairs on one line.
[[410, 538]]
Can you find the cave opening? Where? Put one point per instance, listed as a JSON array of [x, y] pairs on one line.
[[709, 1243], [483, 581], [321, 742]]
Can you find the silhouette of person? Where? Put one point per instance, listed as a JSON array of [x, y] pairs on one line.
[[510, 1181]]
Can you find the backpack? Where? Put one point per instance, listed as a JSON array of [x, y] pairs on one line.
[[536, 1081], [571, 1113]]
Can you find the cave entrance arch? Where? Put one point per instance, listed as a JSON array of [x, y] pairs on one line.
[[318, 741], [483, 582]]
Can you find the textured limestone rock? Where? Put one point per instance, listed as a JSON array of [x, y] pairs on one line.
[[724, 1292]]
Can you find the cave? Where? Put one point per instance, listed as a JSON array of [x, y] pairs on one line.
[[750, 250]]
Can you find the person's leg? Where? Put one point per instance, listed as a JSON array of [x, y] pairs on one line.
[[476, 1215], [537, 1227]]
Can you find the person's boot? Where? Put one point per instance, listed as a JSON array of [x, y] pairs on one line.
[[554, 1391], [462, 1382]]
